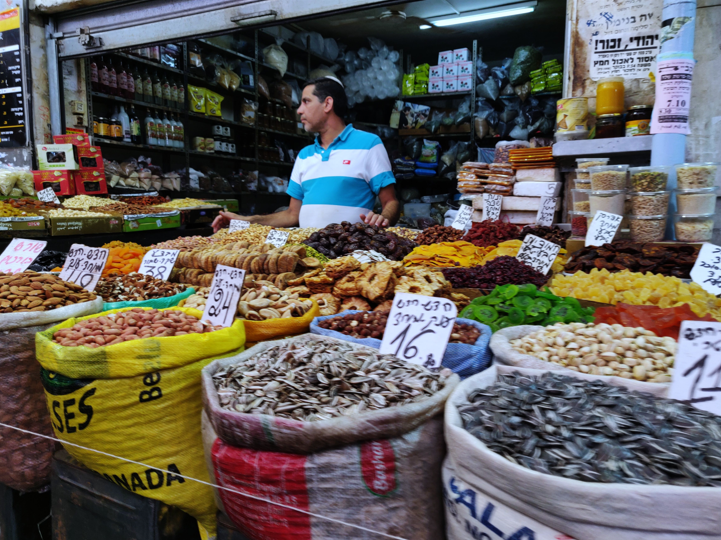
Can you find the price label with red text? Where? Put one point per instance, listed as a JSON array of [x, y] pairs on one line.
[[84, 266], [20, 254], [224, 295]]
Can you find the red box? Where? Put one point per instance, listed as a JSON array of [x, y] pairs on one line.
[[90, 181], [76, 139], [61, 181], [90, 157]]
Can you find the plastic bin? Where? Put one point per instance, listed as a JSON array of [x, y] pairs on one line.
[[696, 201], [648, 178], [694, 227], [647, 228], [612, 201], [696, 175], [580, 200], [608, 177], [649, 203]]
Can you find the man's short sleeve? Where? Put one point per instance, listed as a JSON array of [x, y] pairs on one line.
[[294, 188], [378, 168]]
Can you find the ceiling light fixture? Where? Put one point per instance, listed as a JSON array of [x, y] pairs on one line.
[[425, 26], [483, 15]]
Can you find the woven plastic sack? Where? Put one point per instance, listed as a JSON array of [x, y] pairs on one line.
[[264, 432], [257, 331], [155, 303], [8, 321], [465, 360], [140, 400]]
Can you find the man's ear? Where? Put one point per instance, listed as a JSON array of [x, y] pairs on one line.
[[328, 104]]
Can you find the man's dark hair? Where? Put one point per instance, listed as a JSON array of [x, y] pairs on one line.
[[329, 88]]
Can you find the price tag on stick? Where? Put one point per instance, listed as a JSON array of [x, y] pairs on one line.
[[84, 265], [158, 263], [462, 217], [238, 225], [20, 254], [603, 228], [547, 211], [492, 206], [707, 269], [48, 195], [697, 367], [538, 253], [419, 328], [224, 295], [277, 238]]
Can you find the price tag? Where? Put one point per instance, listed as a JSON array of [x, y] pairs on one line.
[[603, 228], [363, 256], [419, 328], [84, 265], [277, 238], [238, 225], [462, 217], [538, 253], [20, 254], [224, 295], [158, 263], [707, 269], [697, 367], [48, 195], [547, 211], [492, 206]]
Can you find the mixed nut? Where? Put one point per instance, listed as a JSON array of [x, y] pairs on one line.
[[31, 291], [437, 234], [135, 287]]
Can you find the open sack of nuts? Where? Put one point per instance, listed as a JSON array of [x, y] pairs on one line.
[[140, 290], [467, 352]]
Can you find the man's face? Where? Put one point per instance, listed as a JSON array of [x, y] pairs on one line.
[[313, 113]]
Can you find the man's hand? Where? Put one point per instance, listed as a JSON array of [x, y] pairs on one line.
[[375, 219], [223, 220]]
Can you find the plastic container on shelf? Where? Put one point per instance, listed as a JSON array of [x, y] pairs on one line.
[[586, 162], [580, 200], [647, 228], [694, 227], [611, 201], [648, 178], [696, 201], [583, 175], [579, 223], [649, 203], [608, 177], [609, 96], [582, 184], [696, 175]]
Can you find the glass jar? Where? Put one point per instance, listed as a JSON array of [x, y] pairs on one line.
[[638, 120], [608, 177], [648, 178], [611, 201], [694, 228], [647, 228], [650, 203], [580, 200], [696, 175], [609, 126], [609, 96], [579, 223], [696, 201], [103, 127]]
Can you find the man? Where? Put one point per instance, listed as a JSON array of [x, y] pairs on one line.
[[337, 178]]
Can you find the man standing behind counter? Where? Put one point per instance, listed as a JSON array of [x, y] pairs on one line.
[[337, 178]]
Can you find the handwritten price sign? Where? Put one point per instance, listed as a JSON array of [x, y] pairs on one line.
[[419, 328], [84, 266], [368, 256], [697, 367], [538, 253], [603, 228], [492, 206], [20, 254], [224, 295], [707, 269], [277, 238], [158, 263], [238, 225], [48, 195], [462, 217], [547, 211]]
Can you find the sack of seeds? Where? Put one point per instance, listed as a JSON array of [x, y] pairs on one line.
[[157, 303], [539, 454]]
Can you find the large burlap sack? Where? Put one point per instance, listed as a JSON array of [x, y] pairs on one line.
[[8, 321], [389, 485], [583, 510], [264, 432], [155, 303], [505, 354], [139, 400], [257, 331], [463, 359]]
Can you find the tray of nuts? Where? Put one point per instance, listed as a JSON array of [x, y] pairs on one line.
[[136, 288]]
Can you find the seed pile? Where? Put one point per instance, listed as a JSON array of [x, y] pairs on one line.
[[136, 287], [31, 291], [594, 432], [311, 380]]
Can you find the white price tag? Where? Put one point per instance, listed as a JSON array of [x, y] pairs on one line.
[[603, 228], [707, 269], [697, 367], [48, 195], [238, 225], [224, 295], [158, 263], [84, 265], [363, 256], [492, 206], [462, 217], [547, 211], [277, 238], [20, 254], [538, 253], [419, 328]]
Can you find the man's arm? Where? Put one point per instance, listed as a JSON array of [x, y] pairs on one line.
[[391, 209], [286, 218]]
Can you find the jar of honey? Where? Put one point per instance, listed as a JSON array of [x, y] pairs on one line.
[[609, 96]]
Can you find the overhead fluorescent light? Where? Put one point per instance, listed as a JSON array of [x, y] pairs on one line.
[[425, 26], [483, 14]]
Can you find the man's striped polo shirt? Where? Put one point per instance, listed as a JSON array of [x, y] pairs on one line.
[[341, 182]]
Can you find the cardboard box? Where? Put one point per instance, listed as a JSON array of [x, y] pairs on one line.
[[90, 182], [151, 223], [465, 83], [445, 57], [90, 157], [68, 226], [61, 182], [435, 85], [26, 224], [524, 204], [537, 189], [450, 70], [76, 139], [461, 55], [435, 72], [450, 84], [57, 157], [465, 68], [538, 175]]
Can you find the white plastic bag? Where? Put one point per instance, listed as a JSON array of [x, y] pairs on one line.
[[8, 321]]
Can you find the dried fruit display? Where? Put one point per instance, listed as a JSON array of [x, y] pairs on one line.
[[664, 322], [32, 205], [437, 234], [131, 209], [31, 291], [499, 271], [669, 260], [145, 200], [446, 254], [337, 240], [7, 210], [136, 287], [553, 234], [183, 243], [491, 233], [124, 260], [511, 248]]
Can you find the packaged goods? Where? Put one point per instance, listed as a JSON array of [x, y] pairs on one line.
[[694, 227], [14, 177], [645, 179], [647, 228], [608, 177], [213, 102], [610, 96], [696, 175], [696, 201], [57, 156], [652, 203], [197, 99]]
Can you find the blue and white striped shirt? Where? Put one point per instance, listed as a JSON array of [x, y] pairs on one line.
[[341, 182]]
